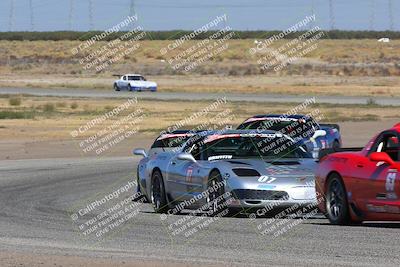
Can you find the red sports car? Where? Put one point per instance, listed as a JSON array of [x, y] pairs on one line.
[[364, 185]]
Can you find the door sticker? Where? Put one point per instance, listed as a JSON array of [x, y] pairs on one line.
[[189, 174], [390, 181]]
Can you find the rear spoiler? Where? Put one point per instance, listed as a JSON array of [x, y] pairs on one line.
[[327, 151], [330, 125]]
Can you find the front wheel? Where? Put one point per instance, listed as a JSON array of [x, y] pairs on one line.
[[158, 197], [116, 88], [217, 202], [337, 207], [130, 88]]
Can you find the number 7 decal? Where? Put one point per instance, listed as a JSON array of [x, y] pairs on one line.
[[266, 179], [390, 181]]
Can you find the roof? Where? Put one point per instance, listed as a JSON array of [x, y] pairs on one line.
[[243, 132], [296, 116]]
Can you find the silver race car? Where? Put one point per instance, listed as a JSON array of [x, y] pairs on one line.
[[164, 142], [231, 170]]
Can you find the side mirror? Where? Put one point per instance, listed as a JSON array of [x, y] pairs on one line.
[[186, 156], [381, 156], [319, 133], [140, 152]]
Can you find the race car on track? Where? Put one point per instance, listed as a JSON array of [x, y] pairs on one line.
[[134, 82], [250, 170], [361, 185], [164, 142], [302, 128]]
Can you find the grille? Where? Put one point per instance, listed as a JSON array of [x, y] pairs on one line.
[[245, 172], [259, 194], [285, 163]]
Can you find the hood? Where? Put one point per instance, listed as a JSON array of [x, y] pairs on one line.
[[298, 169]]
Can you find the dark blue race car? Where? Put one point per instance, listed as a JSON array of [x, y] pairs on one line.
[[302, 128]]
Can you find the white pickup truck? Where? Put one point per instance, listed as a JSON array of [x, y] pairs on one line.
[[134, 82]]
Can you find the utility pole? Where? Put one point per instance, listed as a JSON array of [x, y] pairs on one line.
[[11, 17], [71, 12], [31, 10], [331, 15], [372, 16], [132, 8], [132, 11], [391, 22], [312, 13], [91, 24]]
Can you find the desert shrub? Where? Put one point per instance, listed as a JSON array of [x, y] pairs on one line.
[[74, 105], [15, 101], [49, 107], [5, 114], [61, 104]]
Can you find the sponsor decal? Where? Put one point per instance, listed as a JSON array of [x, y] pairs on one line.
[[383, 209], [220, 157]]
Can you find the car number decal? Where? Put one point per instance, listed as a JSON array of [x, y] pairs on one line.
[[189, 173], [390, 181], [266, 179]]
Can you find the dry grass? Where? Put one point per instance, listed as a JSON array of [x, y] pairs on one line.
[[57, 123], [346, 67]]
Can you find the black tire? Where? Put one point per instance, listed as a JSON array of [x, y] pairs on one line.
[[215, 200], [336, 145], [116, 88], [129, 88], [158, 197], [337, 206]]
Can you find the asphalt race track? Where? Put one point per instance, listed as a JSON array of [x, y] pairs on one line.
[[267, 98], [37, 198]]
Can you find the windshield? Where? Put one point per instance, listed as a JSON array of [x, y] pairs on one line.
[[172, 141], [296, 129], [136, 78], [253, 147]]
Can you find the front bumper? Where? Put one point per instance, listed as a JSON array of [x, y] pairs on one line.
[[144, 88], [301, 196]]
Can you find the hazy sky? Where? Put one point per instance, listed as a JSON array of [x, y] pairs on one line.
[[50, 15]]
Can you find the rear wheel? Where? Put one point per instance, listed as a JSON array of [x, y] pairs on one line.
[[129, 87], [158, 197], [337, 207], [116, 88]]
